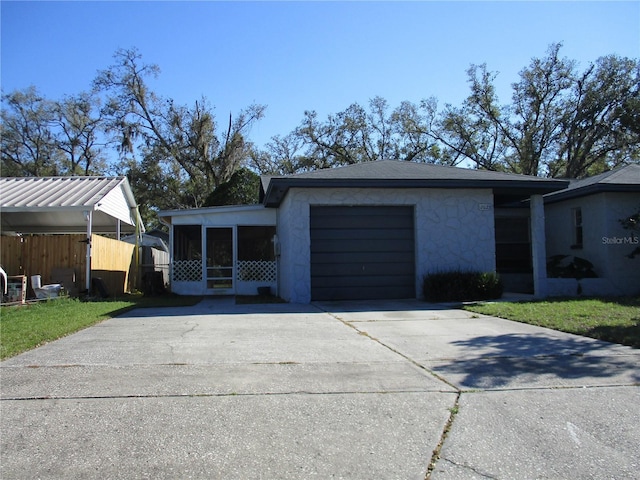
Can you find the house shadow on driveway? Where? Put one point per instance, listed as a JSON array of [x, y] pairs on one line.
[[534, 361]]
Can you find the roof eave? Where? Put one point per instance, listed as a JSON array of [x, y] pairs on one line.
[[278, 187], [36, 208], [203, 210], [590, 190]]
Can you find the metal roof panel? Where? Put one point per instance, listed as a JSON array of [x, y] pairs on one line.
[[48, 204], [54, 192]]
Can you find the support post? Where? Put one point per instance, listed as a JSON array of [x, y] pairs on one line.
[[136, 272], [538, 246], [88, 216]]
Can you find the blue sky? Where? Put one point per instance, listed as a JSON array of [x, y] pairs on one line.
[[297, 56]]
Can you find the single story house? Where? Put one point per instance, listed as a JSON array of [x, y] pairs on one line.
[[365, 231], [584, 221]]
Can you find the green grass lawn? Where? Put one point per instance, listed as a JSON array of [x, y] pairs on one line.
[[612, 319], [26, 326]]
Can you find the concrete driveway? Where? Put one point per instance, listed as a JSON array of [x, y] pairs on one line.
[[348, 390]]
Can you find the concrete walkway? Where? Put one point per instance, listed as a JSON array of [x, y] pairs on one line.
[[349, 390]]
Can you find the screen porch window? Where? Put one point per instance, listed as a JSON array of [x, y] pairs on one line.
[[187, 253], [256, 256]]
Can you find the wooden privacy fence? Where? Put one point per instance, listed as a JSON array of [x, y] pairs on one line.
[[113, 261], [57, 256]]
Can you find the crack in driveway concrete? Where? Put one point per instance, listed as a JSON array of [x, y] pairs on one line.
[[293, 393]]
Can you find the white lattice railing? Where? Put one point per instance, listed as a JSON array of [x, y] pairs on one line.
[[187, 270], [256, 271]]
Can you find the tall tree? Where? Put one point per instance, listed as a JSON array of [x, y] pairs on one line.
[[600, 128], [42, 137], [560, 122], [360, 134], [282, 156], [538, 103], [156, 186], [520, 137], [28, 144], [241, 189], [187, 136], [415, 131], [79, 123], [467, 133]]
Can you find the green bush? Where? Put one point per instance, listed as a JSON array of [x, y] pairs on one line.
[[457, 286], [559, 266]]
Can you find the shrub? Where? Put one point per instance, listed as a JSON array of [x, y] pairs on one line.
[[457, 286], [559, 266]]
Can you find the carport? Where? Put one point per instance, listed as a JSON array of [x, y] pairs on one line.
[[55, 206]]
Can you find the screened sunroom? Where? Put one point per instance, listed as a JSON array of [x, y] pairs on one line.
[[223, 250]]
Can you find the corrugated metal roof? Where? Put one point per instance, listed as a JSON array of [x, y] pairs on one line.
[[54, 192], [56, 204]]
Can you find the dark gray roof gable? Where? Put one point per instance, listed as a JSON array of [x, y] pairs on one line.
[[622, 179], [399, 174]]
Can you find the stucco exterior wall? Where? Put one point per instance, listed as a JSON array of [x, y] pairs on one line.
[[605, 242], [454, 230]]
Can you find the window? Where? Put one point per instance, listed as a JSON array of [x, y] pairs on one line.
[[187, 253], [187, 242], [577, 227], [513, 245], [256, 243]]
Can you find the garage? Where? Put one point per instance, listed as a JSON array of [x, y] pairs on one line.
[[362, 252]]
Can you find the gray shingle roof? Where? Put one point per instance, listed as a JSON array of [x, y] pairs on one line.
[[622, 179], [399, 174], [399, 170]]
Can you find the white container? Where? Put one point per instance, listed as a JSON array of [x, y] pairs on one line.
[[36, 281]]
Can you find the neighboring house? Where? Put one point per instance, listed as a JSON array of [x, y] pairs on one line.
[[583, 221], [50, 227], [365, 231], [155, 238], [154, 255]]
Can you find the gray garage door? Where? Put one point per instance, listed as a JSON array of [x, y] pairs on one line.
[[362, 252]]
